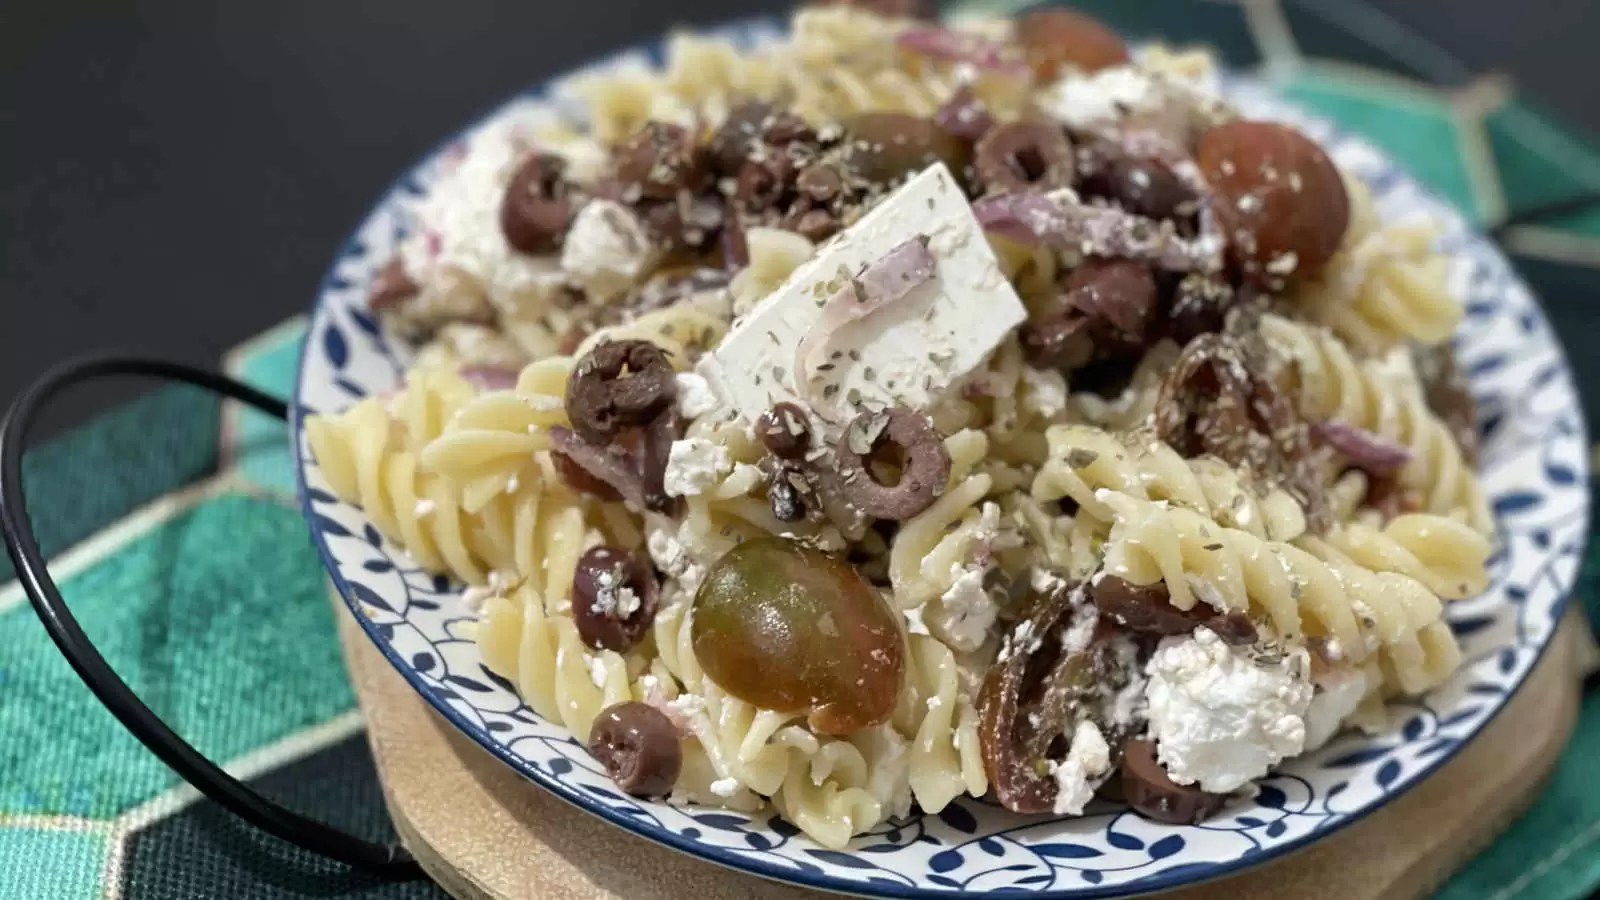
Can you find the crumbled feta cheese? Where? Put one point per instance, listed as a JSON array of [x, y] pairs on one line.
[[695, 465], [1221, 717], [457, 251], [1046, 391], [667, 551], [1081, 630], [1337, 697], [1088, 760], [724, 787], [607, 250], [914, 620], [966, 611], [1085, 101], [695, 396], [475, 596], [1171, 106], [906, 354], [597, 671]]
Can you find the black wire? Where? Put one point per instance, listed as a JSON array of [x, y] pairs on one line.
[[233, 795]]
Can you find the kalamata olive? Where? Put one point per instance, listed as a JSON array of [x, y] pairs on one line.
[[883, 147], [927, 463], [614, 597], [1152, 794], [1148, 609], [735, 250], [815, 225], [1449, 397], [639, 747], [1025, 156], [1215, 401], [536, 206], [1117, 295], [1033, 696], [785, 431], [662, 159], [618, 383], [792, 629], [1280, 200], [786, 492], [964, 115], [764, 181], [391, 286], [654, 453], [1200, 304], [1054, 38], [820, 182], [753, 127], [1062, 341], [689, 223], [1144, 187]]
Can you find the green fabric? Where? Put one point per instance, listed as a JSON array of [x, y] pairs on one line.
[[216, 618], [51, 862], [1416, 128], [93, 475]]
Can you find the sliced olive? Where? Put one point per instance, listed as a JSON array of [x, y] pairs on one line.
[[1152, 794]]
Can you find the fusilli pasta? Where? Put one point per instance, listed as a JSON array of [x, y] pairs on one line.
[[1386, 285], [1330, 383], [1303, 588]]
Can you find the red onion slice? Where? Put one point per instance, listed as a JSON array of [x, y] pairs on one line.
[[490, 378], [1365, 450], [961, 47], [885, 282], [611, 464], [1036, 220]]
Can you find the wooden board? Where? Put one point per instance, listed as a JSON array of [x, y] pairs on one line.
[[482, 831]]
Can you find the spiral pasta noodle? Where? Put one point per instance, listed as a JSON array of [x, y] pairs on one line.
[[1386, 285], [1084, 459], [1446, 556], [942, 724], [369, 453], [1300, 587], [774, 255], [1328, 382]]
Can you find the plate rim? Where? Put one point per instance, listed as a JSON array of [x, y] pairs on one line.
[[1154, 883]]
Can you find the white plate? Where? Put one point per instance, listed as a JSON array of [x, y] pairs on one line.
[[1534, 468]]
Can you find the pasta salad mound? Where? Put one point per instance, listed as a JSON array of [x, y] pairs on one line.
[[906, 410]]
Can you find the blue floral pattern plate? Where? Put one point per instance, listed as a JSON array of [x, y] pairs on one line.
[[1534, 464]]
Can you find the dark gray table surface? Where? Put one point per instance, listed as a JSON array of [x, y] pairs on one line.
[[175, 175]]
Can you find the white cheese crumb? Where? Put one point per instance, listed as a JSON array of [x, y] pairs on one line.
[[1047, 391], [1337, 697], [597, 671], [724, 787], [1087, 762], [915, 623], [475, 596], [966, 611], [607, 250], [1220, 717], [695, 465], [695, 396]]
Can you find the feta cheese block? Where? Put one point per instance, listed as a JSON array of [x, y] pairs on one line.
[[907, 353]]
